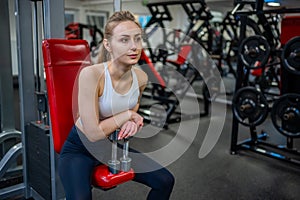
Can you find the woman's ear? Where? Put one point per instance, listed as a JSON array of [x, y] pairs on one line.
[[106, 45]]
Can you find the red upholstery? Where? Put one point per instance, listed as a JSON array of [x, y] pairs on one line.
[[102, 177], [62, 62], [63, 59], [289, 28]]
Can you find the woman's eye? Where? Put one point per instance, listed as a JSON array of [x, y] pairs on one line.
[[138, 39], [124, 40]]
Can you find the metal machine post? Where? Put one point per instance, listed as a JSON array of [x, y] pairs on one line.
[[10, 151]]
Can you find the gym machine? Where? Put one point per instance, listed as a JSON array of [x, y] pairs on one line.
[[10, 137], [36, 173], [189, 47], [63, 60], [39, 178], [160, 93], [229, 31], [252, 103], [77, 30], [199, 28]]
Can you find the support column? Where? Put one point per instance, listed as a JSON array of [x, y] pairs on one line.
[[25, 55], [7, 118], [117, 5], [54, 18], [54, 14]]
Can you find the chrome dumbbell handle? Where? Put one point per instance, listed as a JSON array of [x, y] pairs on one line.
[[125, 160], [125, 148], [114, 164]]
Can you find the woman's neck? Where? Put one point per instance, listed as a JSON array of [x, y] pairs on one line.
[[118, 71]]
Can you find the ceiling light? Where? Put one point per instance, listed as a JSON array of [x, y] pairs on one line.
[[273, 3]]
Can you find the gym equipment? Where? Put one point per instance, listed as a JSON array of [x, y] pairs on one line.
[[115, 166], [284, 109], [254, 51], [291, 55], [125, 160], [11, 168], [63, 59], [199, 26], [249, 106], [285, 115], [76, 31], [110, 175], [167, 99], [289, 75]]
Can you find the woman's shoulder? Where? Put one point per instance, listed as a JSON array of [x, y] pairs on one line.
[[141, 75], [93, 70]]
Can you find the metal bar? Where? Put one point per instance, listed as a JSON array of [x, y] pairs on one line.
[[117, 5], [175, 2], [9, 158], [26, 75], [271, 154], [14, 190], [274, 11], [6, 82], [53, 13]]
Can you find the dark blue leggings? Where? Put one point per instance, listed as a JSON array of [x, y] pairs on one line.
[[75, 169]]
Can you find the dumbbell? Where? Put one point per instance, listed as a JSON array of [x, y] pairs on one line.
[[114, 164], [125, 160]]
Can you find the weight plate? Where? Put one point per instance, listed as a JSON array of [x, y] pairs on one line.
[[254, 51], [249, 106], [285, 115], [291, 55]]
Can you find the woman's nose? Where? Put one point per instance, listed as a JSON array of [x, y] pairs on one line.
[[133, 45]]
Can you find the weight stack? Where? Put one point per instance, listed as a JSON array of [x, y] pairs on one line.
[[43, 178], [38, 159], [290, 83]]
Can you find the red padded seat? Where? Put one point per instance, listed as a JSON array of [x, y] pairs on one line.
[[63, 60]]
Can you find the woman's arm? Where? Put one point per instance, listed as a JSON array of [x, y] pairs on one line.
[[130, 128]]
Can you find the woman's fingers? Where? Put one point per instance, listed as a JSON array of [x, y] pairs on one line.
[[127, 130]]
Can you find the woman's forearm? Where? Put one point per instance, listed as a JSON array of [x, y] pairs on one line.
[[106, 126]]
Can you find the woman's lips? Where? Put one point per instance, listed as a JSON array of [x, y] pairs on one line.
[[133, 56]]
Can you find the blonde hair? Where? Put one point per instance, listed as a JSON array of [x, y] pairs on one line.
[[113, 21]]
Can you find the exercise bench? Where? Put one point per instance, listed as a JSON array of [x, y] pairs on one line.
[[63, 60]]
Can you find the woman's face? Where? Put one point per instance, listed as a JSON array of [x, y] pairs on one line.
[[126, 43]]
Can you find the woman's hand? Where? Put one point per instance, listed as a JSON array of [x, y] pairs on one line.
[[138, 119], [128, 129]]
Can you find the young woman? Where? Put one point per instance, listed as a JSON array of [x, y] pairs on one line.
[[108, 99]]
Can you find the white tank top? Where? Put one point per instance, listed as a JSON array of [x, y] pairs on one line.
[[111, 102]]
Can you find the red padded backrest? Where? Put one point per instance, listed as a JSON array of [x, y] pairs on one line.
[[63, 60]]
